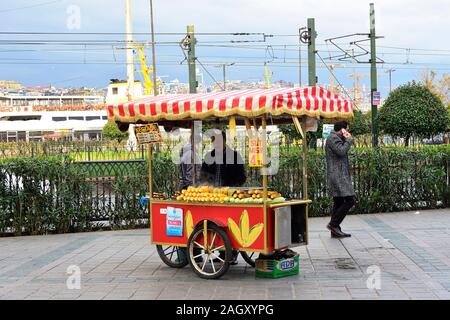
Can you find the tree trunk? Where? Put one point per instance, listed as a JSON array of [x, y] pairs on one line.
[[407, 141]]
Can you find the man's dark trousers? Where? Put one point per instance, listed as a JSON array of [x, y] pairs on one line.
[[341, 207]]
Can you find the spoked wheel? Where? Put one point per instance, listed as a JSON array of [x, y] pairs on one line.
[[249, 257], [205, 256], [175, 257]]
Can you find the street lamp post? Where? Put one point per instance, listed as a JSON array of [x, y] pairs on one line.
[[390, 78], [224, 65]]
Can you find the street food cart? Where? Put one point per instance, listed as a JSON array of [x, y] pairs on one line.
[[202, 225]]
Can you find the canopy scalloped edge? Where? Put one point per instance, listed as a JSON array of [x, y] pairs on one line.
[[222, 114]]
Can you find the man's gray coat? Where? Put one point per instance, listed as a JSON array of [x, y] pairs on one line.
[[339, 180]]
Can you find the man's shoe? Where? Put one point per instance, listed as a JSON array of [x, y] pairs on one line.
[[335, 232], [347, 235]]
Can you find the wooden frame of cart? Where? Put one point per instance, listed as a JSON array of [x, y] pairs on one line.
[[205, 234]]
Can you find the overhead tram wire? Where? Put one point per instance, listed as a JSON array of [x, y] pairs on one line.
[[133, 33], [29, 7], [230, 44], [212, 77], [109, 44], [284, 60], [276, 62], [337, 80], [176, 63], [283, 47], [197, 33]]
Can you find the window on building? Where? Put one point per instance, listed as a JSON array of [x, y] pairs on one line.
[[24, 118], [76, 118], [59, 118], [115, 90], [35, 136], [92, 136], [12, 136], [105, 117], [92, 118], [22, 136]]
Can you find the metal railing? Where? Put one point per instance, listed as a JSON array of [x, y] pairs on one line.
[[69, 187]]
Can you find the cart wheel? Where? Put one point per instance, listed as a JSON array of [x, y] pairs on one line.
[[249, 257], [208, 263], [175, 257]]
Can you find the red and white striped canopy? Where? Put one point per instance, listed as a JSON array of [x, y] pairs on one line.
[[310, 101]]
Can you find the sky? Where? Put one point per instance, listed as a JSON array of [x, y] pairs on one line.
[[416, 38]]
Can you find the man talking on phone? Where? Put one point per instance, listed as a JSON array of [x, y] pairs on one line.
[[339, 181]]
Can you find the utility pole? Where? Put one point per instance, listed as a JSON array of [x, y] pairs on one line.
[[224, 77], [312, 77], [373, 75], [390, 78], [191, 59], [130, 58], [300, 57], [155, 82]]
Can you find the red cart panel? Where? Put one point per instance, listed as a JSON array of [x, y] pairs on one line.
[[246, 225]]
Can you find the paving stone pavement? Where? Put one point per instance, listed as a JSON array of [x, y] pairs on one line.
[[410, 251]]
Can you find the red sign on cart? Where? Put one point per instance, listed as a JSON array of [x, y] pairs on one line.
[[255, 154]]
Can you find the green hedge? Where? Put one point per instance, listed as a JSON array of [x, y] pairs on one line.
[[46, 195], [55, 195], [385, 179]]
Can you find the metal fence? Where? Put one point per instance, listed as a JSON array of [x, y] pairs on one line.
[[77, 151], [71, 187]]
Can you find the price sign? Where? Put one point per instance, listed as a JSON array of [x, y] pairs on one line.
[[174, 222], [255, 154], [147, 134]]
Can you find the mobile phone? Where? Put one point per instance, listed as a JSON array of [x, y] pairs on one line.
[[344, 132]]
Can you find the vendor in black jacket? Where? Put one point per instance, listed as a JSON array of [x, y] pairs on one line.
[[225, 169]]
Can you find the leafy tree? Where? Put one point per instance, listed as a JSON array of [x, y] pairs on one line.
[[360, 124], [413, 110], [111, 131], [291, 132], [441, 87]]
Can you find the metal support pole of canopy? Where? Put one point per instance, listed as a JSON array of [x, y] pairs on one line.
[[305, 159], [150, 182], [150, 171], [264, 149], [301, 128], [194, 169], [264, 172]]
